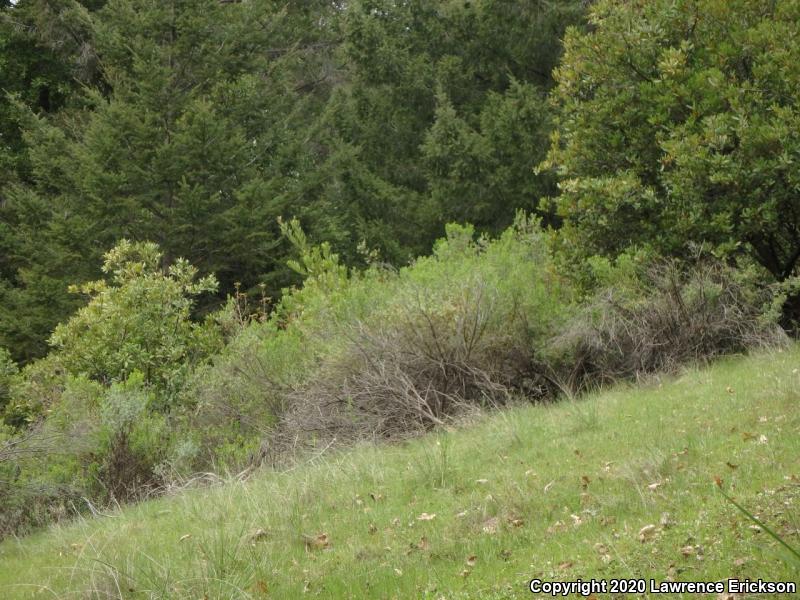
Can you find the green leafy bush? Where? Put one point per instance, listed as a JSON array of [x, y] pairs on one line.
[[677, 122], [406, 351], [139, 321]]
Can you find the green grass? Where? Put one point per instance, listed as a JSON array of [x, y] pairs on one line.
[[556, 492]]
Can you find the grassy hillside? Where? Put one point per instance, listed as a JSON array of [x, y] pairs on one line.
[[555, 491]]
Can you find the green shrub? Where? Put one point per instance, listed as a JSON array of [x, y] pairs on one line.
[[404, 352], [140, 321]]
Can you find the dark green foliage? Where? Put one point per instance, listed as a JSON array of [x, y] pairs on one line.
[[677, 123], [185, 143], [441, 118]]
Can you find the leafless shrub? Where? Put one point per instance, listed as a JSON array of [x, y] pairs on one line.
[[412, 369], [683, 316]]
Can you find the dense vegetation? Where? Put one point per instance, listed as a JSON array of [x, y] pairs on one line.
[[618, 484], [233, 233]]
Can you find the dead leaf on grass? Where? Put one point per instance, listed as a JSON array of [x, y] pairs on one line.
[[490, 525], [647, 533], [317, 542], [426, 517]]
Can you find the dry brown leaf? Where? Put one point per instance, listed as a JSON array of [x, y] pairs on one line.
[[687, 551], [185, 537], [516, 522], [718, 481], [647, 532], [260, 587], [258, 534], [601, 548], [426, 517], [482, 481], [317, 542], [585, 481], [490, 525], [567, 564], [465, 573], [471, 560]]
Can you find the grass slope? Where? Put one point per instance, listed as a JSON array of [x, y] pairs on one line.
[[555, 492]]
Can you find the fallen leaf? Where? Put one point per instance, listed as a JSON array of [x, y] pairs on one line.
[[471, 560], [576, 520], [729, 389], [260, 587], [462, 514], [490, 525], [762, 439], [465, 573], [426, 517], [647, 532], [185, 537], [731, 465], [567, 564], [516, 522], [718, 481], [398, 572], [258, 534], [482, 481], [654, 486], [687, 551], [585, 481], [317, 542]]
